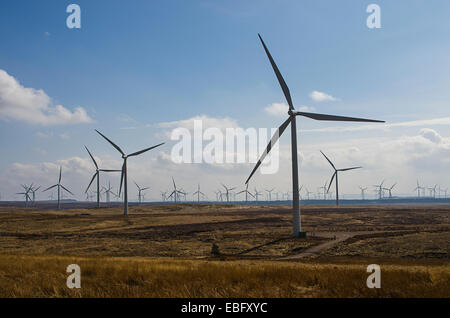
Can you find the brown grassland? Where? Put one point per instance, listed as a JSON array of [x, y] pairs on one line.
[[165, 251]]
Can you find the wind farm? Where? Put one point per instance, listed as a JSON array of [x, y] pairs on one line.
[[157, 161]]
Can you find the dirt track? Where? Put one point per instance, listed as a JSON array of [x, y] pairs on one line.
[[339, 237]]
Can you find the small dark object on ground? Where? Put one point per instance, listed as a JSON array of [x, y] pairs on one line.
[[215, 250]]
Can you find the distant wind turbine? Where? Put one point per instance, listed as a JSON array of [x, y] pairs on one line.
[[97, 175], [123, 177], [140, 191], [379, 190], [362, 192], [292, 121], [246, 193], [269, 194], [198, 193], [257, 194], [335, 174], [175, 192], [59, 187], [26, 193], [227, 192], [389, 190]]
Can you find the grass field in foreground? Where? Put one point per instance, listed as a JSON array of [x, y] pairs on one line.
[[45, 276]]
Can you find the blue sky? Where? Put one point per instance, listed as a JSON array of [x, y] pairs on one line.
[[135, 65]]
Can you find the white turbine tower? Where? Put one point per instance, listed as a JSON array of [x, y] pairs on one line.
[[292, 121]]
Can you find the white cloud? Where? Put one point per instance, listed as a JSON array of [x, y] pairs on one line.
[[207, 122], [306, 109], [34, 106], [64, 136], [277, 109], [322, 97]]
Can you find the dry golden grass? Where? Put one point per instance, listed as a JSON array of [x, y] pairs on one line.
[[45, 276]]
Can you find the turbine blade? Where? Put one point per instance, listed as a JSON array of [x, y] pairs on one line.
[[107, 170], [60, 169], [272, 142], [92, 157], [332, 178], [136, 185], [113, 144], [335, 118], [50, 188], [346, 169], [145, 150], [66, 189], [280, 78], [328, 160], [93, 177]]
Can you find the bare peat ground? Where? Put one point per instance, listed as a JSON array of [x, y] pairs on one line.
[[254, 241]]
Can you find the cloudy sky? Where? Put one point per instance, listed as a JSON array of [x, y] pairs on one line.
[[135, 71]]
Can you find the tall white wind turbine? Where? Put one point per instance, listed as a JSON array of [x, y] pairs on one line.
[[292, 121]]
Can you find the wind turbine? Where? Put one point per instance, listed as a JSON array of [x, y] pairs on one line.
[[390, 190], [97, 175], [198, 192], [380, 190], [26, 193], [175, 192], [292, 121], [108, 192], [433, 191], [218, 195], [257, 194], [163, 195], [123, 177], [33, 191], [418, 188], [324, 188], [269, 194], [227, 192], [362, 192], [140, 190], [59, 186], [246, 193], [308, 193], [335, 174]]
